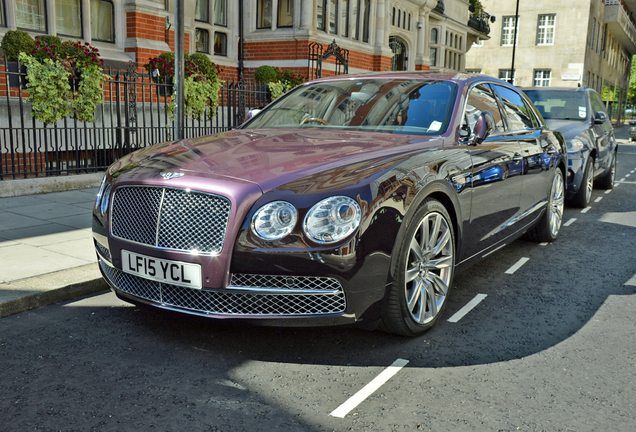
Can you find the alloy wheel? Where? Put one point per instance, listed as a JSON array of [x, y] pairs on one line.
[[556, 203]]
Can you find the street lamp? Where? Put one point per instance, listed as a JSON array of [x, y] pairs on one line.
[[514, 45]]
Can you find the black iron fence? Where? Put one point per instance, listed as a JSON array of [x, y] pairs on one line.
[[134, 115]]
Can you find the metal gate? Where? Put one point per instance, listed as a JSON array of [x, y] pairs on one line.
[[317, 54]]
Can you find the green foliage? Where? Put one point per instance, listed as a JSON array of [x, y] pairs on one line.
[[265, 74], [48, 88], [631, 93], [279, 88], [90, 93], [205, 65], [16, 41], [199, 93], [477, 8]]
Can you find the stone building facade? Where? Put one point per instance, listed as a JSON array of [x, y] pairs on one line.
[[378, 34], [578, 43]]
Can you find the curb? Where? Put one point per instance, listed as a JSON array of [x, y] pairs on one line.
[[89, 281], [41, 185]]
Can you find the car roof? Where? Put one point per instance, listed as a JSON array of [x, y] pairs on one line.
[[571, 89], [424, 75]]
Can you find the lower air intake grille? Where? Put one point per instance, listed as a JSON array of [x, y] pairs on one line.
[[233, 303]]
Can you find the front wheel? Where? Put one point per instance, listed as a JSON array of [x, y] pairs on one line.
[[424, 273], [584, 195], [607, 181], [549, 225]]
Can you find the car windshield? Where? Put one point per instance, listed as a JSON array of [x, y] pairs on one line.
[[378, 105], [560, 104]]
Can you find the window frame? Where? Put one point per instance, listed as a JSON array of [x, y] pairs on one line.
[[224, 13], [278, 16], [508, 42], [207, 19], [506, 72], [224, 52], [260, 8], [3, 14], [541, 79], [543, 30], [81, 22], [112, 4], [196, 47]]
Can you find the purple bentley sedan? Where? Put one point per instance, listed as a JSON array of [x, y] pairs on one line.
[[351, 199]]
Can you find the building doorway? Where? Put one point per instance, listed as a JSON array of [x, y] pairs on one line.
[[399, 61]]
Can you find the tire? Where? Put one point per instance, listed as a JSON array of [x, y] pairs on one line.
[[549, 225], [607, 181], [584, 195], [424, 272]]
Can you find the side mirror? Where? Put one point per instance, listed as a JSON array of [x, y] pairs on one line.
[[599, 117], [251, 113], [483, 128]]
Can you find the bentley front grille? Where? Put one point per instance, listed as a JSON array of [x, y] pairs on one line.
[[238, 300], [176, 219]]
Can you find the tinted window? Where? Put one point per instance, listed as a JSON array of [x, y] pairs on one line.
[[559, 104], [480, 99], [597, 103], [518, 113]]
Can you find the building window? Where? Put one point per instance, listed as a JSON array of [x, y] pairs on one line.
[[433, 56], [264, 14], [31, 15], [102, 22], [202, 10], [505, 75], [393, 17], [545, 30], [68, 16], [542, 78], [344, 19], [322, 11], [354, 16], [409, 22], [285, 13], [473, 71], [220, 44], [433, 36], [333, 16], [202, 38], [220, 12], [3, 22], [508, 31], [366, 13]]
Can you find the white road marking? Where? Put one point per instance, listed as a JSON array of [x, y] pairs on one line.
[[632, 281], [368, 390], [598, 199], [543, 244], [627, 175], [570, 222], [608, 191], [517, 266], [622, 180], [586, 209], [469, 306]]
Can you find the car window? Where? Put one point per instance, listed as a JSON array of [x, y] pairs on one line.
[[560, 104], [597, 103], [480, 99], [410, 106], [518, 113]]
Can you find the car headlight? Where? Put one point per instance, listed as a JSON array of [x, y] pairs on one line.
[[575, 145], [103, 195], [332, 219], [274, 221]]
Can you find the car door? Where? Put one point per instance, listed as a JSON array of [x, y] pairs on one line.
[[603, 133], [496, 176], [536, 148]]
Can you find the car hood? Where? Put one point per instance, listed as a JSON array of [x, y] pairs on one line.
[[268, 158], [568, 128]]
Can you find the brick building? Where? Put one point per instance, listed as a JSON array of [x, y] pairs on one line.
[[378, 34]]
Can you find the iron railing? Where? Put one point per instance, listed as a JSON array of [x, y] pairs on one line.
[[134, 115]]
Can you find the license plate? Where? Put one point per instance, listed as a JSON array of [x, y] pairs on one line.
[[171, 272]]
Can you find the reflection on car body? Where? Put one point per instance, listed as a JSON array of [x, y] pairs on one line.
[[349, 200]]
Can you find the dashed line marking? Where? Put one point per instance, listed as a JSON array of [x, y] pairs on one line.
[[631, 282], [570, 222], [368, 390], [616, 185], [517, 266], [598, 199], [469, 306], [607, 191], [586, 209], [622, 180], [543, 244], [627, 175]]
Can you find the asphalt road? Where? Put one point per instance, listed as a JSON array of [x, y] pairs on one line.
[[551, 346]]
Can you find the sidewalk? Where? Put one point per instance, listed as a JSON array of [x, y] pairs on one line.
[[46, 246]]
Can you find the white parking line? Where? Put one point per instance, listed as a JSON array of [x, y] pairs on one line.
[[598, 199], [632, 281], [518, 265], [586, 209], [368, 390], [608, 191], [627, 175], [622, 180], [469, 306], [570, 222], [543, 244]]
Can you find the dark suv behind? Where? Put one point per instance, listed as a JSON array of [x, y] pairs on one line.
[[579, 114]]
